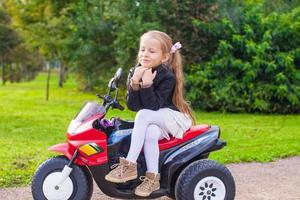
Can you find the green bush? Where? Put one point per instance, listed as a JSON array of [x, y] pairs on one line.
[[255, 68]]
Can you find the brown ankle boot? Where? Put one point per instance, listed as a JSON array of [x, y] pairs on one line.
[[150, 184], [125, 171]]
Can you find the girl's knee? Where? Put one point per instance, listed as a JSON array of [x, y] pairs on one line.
[[153, 132], [142, 115]]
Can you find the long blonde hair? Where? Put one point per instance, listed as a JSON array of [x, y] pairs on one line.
[[175, 63]]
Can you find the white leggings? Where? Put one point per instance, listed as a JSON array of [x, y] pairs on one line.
[[147, 131]]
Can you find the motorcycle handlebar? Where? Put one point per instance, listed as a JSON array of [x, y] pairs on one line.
[[109, 101]]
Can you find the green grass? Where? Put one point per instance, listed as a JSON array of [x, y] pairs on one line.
[[29, 125]]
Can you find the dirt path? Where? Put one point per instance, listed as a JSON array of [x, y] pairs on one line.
[[278, 180]]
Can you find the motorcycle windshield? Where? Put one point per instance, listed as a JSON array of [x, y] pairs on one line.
[[89, 110]]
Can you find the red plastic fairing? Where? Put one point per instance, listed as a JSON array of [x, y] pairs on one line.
[[96, 159], [76, 140], [60, 148], [191, 133], [68, 151], [90, 135]]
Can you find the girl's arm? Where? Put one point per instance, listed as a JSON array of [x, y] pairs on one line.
[[155, 99], [132, 97]]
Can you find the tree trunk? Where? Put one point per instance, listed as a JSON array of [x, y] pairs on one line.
[[48, 81], [61, 74], [19, 72], [3, 72], [11, 73]]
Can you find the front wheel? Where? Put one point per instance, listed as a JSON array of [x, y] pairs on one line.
[[79, 185], [205, 180]]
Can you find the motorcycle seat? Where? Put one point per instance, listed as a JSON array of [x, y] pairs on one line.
[[189, 134]]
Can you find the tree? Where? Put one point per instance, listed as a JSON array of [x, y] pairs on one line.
[[24, 65], [44, 27], [8, 40]]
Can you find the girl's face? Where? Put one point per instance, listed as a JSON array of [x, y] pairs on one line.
[[150, 53]]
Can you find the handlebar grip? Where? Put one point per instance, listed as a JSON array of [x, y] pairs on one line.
[[99, 96], [117, 105]]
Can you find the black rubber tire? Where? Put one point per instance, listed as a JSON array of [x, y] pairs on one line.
[[80, 176], [193, 173]]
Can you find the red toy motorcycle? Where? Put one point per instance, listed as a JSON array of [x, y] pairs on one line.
[[95, 143]]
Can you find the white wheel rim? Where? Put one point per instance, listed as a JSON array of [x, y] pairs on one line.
[[54, 192], [210, 188]]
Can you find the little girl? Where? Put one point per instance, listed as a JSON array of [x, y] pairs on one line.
[[155, 90]]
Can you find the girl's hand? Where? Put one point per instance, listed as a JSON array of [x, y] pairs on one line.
[[138, 73], [148, 77]]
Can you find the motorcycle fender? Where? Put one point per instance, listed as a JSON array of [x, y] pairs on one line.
[[64, 148], [187, 153], [61, 148]]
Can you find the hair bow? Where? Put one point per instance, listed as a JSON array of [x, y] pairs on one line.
[[175, 47]]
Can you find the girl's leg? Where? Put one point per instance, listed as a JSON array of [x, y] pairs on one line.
[[137, 138], [142, 120], [151, 148], [127, 168]]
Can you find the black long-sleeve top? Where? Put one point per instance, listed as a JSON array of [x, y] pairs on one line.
[[158, 95]]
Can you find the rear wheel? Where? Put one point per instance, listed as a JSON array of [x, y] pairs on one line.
[[79, 185], [205, 180]]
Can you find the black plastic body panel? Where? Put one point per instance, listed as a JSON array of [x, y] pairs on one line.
[[172, 162]]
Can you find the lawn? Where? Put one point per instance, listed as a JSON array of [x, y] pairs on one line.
[[29, 125]]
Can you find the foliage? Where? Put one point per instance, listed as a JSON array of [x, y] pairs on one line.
[[23, 65], [141, 17], [279, 6], [178, 18], [239, 55], [17, 62], [8, 37], [91, 39], [255, 67]]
